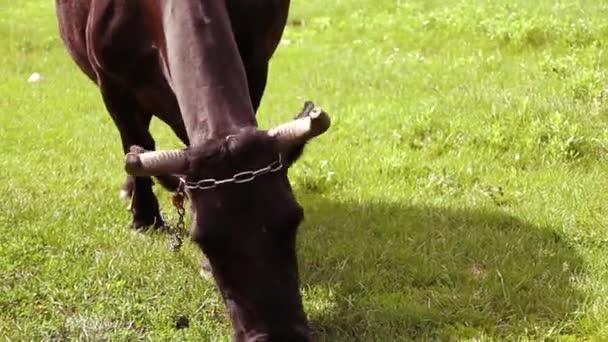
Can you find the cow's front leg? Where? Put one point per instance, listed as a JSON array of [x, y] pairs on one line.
[[133, 125], [143, 204]]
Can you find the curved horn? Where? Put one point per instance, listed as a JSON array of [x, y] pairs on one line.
[[155, 163], [301, 130]]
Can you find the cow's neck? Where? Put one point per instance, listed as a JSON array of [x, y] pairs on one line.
[[205, 68]]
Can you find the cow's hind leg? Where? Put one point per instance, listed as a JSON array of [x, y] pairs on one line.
[[133, 126]]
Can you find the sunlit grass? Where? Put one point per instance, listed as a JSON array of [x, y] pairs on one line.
[[458, 194]]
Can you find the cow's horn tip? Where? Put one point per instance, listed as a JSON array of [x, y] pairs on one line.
[[132, 163], [321, 119]]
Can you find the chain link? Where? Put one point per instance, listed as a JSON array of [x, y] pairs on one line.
[[177, 233], [177, 236], [241, 177]]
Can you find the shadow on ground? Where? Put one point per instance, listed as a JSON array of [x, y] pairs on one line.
[[388, 271]]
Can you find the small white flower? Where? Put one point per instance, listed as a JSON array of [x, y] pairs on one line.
[[35, 77]]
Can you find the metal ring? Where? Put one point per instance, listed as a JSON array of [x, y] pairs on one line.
[[203, 184], [244, 177]]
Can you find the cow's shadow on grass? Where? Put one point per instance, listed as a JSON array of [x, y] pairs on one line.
[[387, 271]]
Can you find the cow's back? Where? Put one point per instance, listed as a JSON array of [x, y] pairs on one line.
[[107, 35], [116, 43]]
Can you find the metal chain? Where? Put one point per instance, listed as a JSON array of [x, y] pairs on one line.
[[177, 233], [241, 177], [177, 236]]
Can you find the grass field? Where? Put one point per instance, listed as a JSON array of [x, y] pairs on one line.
[[460, 194]]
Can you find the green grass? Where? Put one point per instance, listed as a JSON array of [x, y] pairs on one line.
[[460, 193]]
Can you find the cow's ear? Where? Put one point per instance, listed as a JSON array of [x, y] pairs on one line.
[[306, 110]]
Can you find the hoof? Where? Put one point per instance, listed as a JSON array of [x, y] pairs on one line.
[[205, 270], [127, 191], [125, 195], [157, 224]]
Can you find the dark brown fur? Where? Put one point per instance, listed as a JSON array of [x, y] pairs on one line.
[[205, 90]]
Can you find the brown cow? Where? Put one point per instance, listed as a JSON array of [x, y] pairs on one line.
[[201, 67]]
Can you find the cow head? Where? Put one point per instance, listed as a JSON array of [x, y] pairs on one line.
[[247, 227]]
